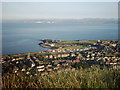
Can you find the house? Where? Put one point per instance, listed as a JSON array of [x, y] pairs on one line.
[[33, 64], [112, 63], [49, 66], [42, 66], [13, 59], [65, 55], [54, 56], [23, 70], [55, 68], [17, 62], [41, 69], [46, 56], [76, 60], [49, 50], [58, 65], [27, 73], [50, 56], [59, 55], [15, 69], [49, 69], [65, 64]]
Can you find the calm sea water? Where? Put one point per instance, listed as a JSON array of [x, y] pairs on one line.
[[24, 37]]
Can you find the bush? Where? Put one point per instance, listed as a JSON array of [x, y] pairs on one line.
[[93, 77], [79, 65]]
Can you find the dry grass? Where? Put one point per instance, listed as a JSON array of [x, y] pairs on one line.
[[83, 78]]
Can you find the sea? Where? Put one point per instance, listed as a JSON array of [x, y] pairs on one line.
[[25, 37]]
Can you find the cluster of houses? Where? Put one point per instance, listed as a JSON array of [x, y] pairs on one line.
[[106, 52], [103, 52], [69, 50], [33, 66]]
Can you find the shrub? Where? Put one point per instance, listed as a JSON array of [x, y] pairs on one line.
[[93, 77]]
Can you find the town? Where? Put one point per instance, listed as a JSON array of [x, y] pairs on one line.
[[63, 55]]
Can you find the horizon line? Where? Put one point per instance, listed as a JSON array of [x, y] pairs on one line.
[[53, 19]]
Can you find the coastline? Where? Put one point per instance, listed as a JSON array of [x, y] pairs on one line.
[[82, 55], [44, 46]]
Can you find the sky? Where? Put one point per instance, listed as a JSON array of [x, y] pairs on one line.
[[60, 0], [58, 10]]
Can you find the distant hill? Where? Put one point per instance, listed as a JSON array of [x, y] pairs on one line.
[[81, 21]]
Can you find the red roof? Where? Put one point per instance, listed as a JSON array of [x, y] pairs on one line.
[[49, 50], [117, 53], [76, 60]]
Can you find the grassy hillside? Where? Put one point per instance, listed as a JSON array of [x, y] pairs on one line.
[[93, 77]]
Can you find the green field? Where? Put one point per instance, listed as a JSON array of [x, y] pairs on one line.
[[74, 47], [71, 42]]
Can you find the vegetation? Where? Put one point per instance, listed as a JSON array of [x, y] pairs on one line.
[[71, 42], [93, 77], [80, 65], [68, 47], [75, 75]]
